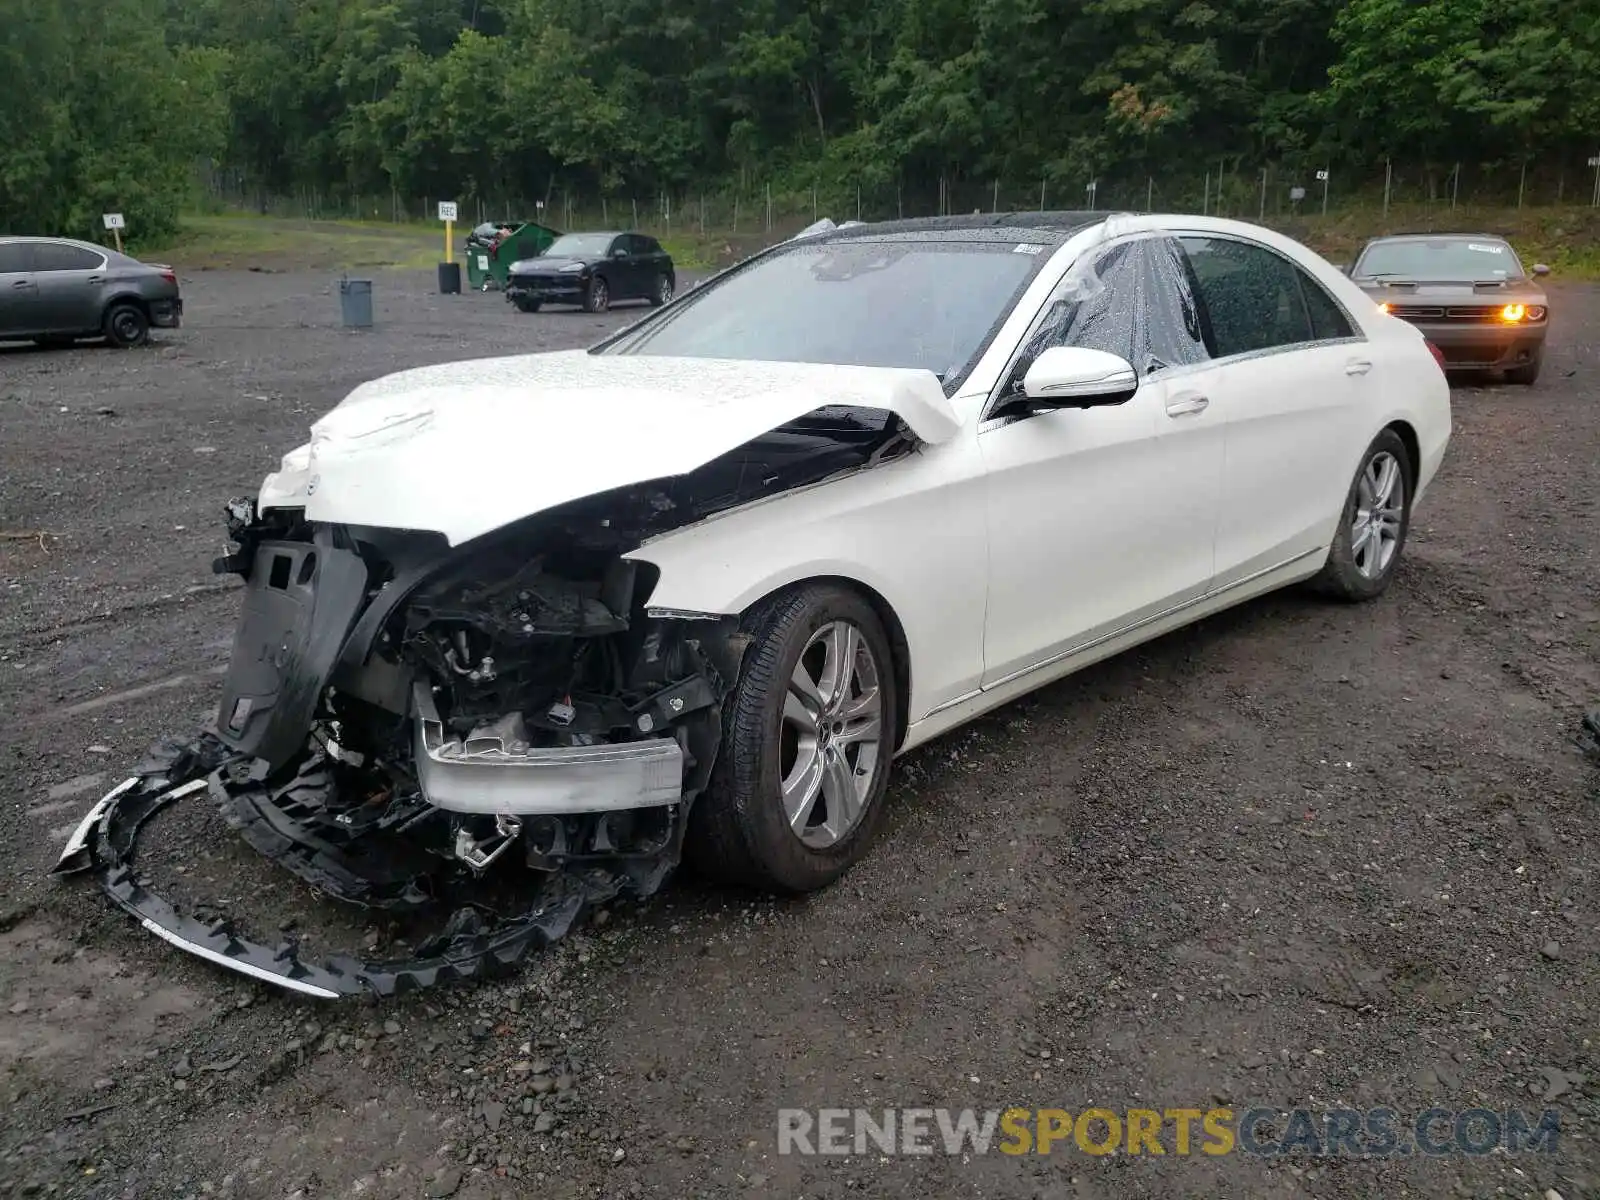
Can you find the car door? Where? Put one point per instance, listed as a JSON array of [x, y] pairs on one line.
[[1100, 519], [19, 311], [621, 268], [71, 283], [1292, 373]]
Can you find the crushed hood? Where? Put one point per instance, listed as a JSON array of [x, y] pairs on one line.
[[465, 448]]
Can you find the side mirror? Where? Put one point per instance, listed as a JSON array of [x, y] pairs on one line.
[[1540, 269], [619, 252], [1077, 377]]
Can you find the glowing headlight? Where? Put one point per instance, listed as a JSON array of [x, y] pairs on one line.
[[1512, 313], [1383, 306]]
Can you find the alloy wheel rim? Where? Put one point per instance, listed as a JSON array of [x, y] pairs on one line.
[[1379, 509], [665, 293], [831, 735]]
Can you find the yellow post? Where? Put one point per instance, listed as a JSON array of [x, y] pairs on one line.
[[449, 242]]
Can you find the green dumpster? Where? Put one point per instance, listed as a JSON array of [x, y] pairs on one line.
[[495, 245]]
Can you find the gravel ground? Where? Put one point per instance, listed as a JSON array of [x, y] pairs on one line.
[[1297, 855]]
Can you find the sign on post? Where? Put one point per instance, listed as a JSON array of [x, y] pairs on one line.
[[1297, 194], [1322, 178], [115, 223], [447, 214]]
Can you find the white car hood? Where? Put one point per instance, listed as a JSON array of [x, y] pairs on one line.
[[466, 448]]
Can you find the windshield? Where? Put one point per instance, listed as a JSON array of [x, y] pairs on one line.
[[1444, 261], [580, 245], [928, 304]]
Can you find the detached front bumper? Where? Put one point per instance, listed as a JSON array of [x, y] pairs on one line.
[[1485, 347]]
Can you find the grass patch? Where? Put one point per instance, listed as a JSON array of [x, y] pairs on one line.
[[1568, 239], [273, 243]]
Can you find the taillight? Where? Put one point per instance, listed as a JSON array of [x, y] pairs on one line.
[[170, 276]]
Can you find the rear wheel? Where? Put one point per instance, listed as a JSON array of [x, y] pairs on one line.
[[1372, 530], [126, 325], [797, 791], [598, 298], [1527, 374]]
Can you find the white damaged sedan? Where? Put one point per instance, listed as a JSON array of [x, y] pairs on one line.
[[572, 617]]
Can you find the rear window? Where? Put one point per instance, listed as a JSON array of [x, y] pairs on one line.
[[53, 256], [1441, 260]]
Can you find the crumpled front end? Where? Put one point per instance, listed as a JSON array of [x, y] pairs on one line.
[[404, 723]]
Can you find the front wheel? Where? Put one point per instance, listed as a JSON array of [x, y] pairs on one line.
[[598, 298], [808, 731], [126, 325], [525, 305], [662, 293], [1372, 529]]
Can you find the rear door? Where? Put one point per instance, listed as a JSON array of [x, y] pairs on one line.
[[1293, 371], [72, 282], [19, 310]]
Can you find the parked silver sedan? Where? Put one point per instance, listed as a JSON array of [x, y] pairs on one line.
[[1469, 295], [56, 290]]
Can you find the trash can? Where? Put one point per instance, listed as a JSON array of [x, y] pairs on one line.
[[355, 303], [491, 250], [450, 279]]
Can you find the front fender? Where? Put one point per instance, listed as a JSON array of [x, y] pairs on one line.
[[911, 531]]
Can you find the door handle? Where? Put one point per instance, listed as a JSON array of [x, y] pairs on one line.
[[94, 279], [1357, 366], [22, 283], [1187, 406]]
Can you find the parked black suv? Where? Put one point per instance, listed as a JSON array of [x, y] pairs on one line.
[[592, 270]]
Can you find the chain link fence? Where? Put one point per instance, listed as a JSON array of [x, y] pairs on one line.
[[1274, 193]]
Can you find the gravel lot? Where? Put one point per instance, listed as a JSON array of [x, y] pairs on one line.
[[1300, 854]]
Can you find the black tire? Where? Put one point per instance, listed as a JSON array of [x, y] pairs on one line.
[[597, 299], [738, 831], [126, 325], [1526, 375], [1343, 576], [662, 292], [525, 305]]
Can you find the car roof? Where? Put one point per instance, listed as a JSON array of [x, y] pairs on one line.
[[1048, 227], [31, 240], [1436, 237]]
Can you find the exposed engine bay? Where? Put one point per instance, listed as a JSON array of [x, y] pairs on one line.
[[406, 724]]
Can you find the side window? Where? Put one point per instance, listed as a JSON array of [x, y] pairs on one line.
[[1328, 322], [53, 256], [621, 242], [647, 245], [1253, 296], [1136, 301], [15, 257]]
